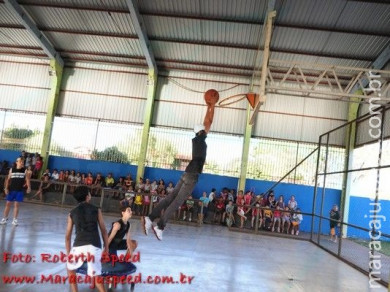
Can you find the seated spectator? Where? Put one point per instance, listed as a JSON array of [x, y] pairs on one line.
[[296, 221], [241, 213], [181, 208], [61, 180], [277, 218], [109, 181], [224, 194], [169, 188], [161, 186], [247, 201], [292, 204], [28, 161], [203, 203], [229, 208], [271, 201], [240, 197], [34, 160], [120, 188], [29, 172], [147, 186], [38, 166], [153, 187], [146, 203], [128, 200], [140, 185], [280, 202], [89, 179], [83, 179], [54, 178], [55, 175], [72, 177], [256, 211], [97, 185], [46, 172], [66, 176], [128, 181], [189, 207], [230, 196], [72, 181], [268, 216], [138, 203], [228, 214], [286, 217], [219, 209], [43, 187], [212, 199], [77, 178]]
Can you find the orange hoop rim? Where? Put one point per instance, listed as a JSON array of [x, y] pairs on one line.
[[224, 102]]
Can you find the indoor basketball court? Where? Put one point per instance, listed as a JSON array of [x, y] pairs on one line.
[[221, 145]]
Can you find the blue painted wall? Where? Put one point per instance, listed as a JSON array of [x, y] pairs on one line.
[[360, 215], [303, 194]]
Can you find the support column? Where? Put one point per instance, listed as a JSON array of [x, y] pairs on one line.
[[245, 151], [350, 139], [152, 85], [56, 70]]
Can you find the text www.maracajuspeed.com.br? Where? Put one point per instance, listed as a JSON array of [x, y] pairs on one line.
[[81, 279]]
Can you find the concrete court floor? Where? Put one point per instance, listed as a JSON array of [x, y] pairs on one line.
[[218, 259]]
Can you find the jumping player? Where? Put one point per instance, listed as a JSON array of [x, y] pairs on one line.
[[188, 180]]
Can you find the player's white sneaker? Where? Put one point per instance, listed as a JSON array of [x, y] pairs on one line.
[[158, 232], [147, 224], [3, 221], [15, 222]]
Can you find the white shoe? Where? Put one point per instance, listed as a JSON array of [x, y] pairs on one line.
[[158, 232], [147, 224], [3, 221], [15, 222], [190, 219], [297, 233]]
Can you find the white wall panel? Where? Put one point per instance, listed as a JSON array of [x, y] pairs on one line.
[[24, 85], [104, 92], [278, 126], [312, 126], [24, 99], [101, 107]]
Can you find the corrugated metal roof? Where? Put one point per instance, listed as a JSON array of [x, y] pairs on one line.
[[7, 17], [95, 44], [244, 9], [82, 20], [365, 16], [106, 4], [18, 37]]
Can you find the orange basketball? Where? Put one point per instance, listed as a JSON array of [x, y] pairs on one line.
[[211, 97]]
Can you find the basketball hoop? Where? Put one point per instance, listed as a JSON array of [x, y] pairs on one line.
[[252, 98], [231, 99]]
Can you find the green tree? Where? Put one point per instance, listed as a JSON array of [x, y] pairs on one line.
[[16, 133], [110, 154]]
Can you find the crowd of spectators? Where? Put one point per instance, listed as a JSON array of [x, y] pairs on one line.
[[226, 207]]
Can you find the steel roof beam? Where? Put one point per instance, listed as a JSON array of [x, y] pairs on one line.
[[378, 64], [29, 24], [213, 44], [140, 28], [219, 19]]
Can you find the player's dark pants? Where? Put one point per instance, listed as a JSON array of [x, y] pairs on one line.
[[173, 201]]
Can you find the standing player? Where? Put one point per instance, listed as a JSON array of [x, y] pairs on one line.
[[188, 180], [14, 189], [87, 220]]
